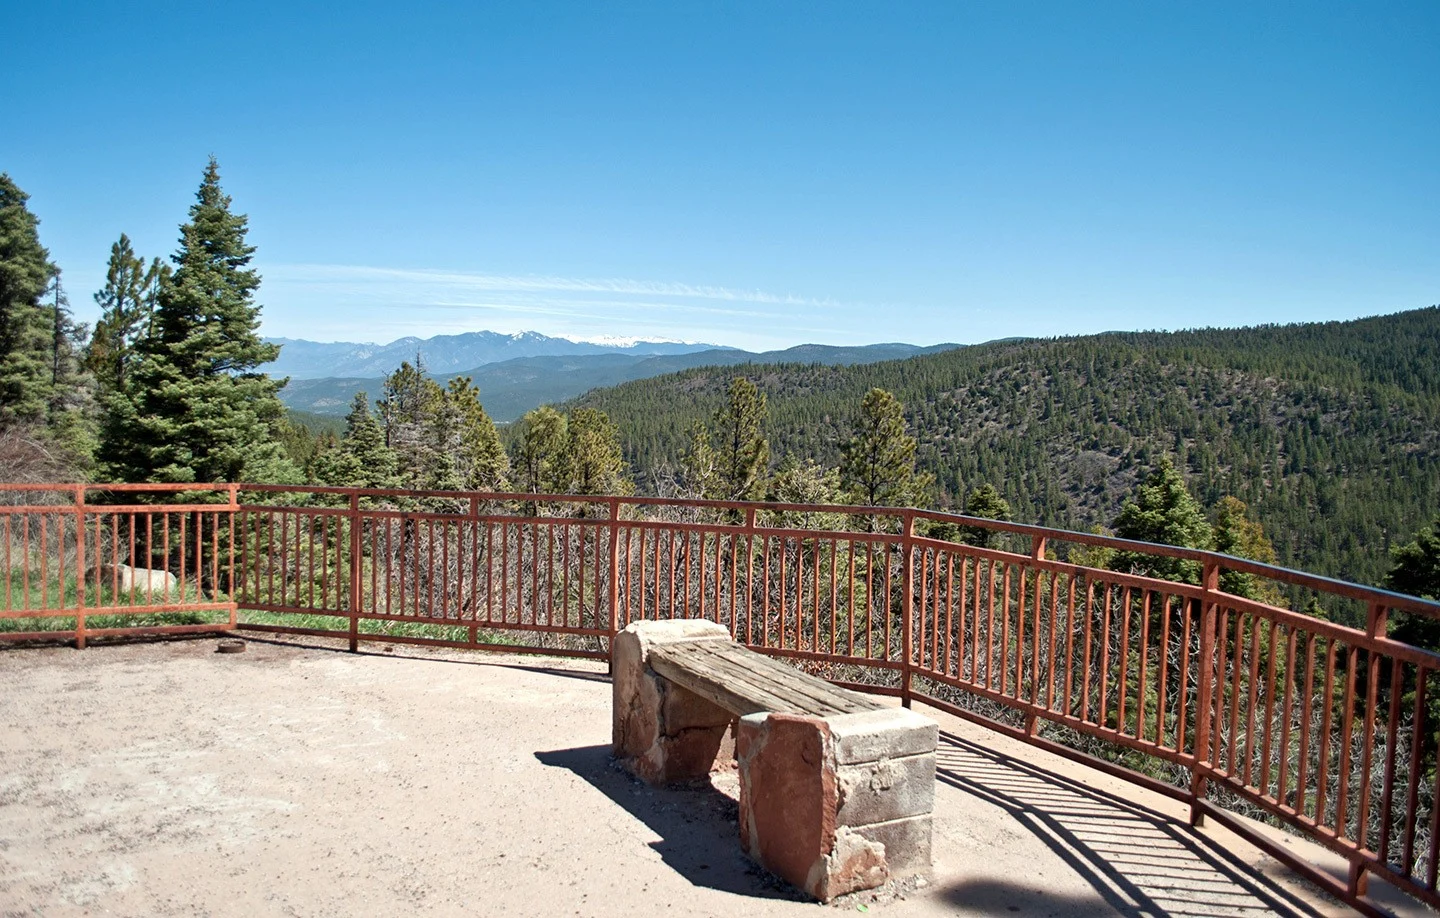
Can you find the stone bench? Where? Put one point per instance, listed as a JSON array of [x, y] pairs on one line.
[[836, 790]]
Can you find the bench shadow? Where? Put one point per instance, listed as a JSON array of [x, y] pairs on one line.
[[1138, 861], [696, 824]]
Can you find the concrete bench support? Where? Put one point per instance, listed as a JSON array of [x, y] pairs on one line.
[[832, 801]]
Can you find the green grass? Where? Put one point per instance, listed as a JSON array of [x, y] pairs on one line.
[[16, 594]]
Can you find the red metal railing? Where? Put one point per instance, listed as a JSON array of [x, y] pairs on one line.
[[1231, 704]]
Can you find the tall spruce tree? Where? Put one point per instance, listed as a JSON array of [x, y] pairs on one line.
[[480, 460], [194, 408], [71, 412], [409, 402], [361, 459], [27, 324]]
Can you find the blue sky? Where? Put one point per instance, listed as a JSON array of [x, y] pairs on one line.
[[753, 174]]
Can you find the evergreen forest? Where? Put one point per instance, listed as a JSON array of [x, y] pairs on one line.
[[1329, 432]]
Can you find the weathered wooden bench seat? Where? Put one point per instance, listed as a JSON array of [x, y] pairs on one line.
[[836, 789], [745, 682]]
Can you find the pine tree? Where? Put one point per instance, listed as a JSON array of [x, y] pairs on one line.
[[27, 326], [729, 461], [540, 451], [409, 402], [805, 482], [126, 303], [986, 503], [1237, 534], [71, 411], [593, 462], [1162, 511], [480, 458], [194, 408], [1416, 564], [877, 465]]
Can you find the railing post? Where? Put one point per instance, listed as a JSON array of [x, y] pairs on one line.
[[1357, 883], [474, 571], [1037, 548], [79, 568], [1378, 621], [907, 604], [1204, 702], [749, 585], [234, 492], [355, 603]]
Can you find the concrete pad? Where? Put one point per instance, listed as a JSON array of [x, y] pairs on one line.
[[167, 779]]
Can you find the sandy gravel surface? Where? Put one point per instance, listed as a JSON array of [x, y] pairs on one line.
[[167, 779]]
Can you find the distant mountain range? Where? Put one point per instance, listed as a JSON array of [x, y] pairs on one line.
[[516, 373], [301, 359]]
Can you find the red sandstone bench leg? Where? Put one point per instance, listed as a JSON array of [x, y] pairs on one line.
[[839, 803], [661, 731]]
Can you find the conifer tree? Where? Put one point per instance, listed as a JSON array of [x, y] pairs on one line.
[[361, 459], [805, 482], [877, 465], [480, 459], [593, 461], [729, 460], [985, 502], [27, 326], [540, 451], [1416, 571], [194, 407], [1162, 511], [1236, 533], [126, 303], [409, 402], [70, 412]]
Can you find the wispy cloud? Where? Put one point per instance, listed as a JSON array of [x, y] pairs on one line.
[[331, 274], [354, 302]]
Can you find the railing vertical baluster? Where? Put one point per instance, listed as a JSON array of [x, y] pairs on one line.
[[1209, 609], [1412, 790], [614, 530], [1286, 715], [231, 589]]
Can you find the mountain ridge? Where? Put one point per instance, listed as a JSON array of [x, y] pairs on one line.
[[509, 388], [301, 358]]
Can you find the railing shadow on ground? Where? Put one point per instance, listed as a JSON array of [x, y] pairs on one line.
[[697, 824], [1139, 862]]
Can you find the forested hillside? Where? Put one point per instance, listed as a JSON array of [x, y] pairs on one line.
[[1329, 431]]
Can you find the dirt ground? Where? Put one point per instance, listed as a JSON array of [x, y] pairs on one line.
[[299, 779]]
